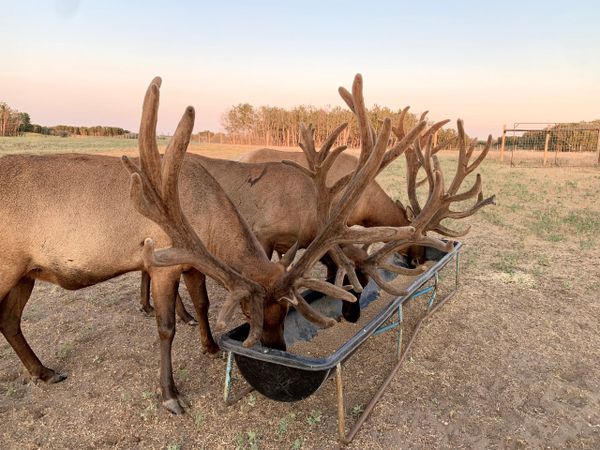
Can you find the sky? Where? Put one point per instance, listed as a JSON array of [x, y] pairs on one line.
[[490, 63]]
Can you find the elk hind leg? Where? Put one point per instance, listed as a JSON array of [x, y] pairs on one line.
[[196, 285], [146, 307], [11, 310]]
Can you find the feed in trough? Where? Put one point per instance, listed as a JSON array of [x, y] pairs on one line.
[[328, 340]]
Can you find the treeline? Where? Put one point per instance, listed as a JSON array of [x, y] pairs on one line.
[[11, 120], [563, 137], [66, 130], [14, 123], [273, 126]]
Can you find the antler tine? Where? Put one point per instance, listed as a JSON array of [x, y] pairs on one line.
[[155, 194], [399, 130], [401, 146], [307, 144], [326, 147], [415, 160], [149, 155], [356, 103], [310, 313]]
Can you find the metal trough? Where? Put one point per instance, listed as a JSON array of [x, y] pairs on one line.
[[288, 377]]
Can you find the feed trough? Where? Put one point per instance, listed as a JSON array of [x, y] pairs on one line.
[[288, 377]]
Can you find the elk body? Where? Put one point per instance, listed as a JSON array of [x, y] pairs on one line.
[[374, 208]]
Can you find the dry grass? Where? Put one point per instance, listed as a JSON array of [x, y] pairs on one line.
[[510, 362]]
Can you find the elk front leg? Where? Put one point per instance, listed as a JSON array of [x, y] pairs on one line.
[[196, 285], [164, 292], [11, 310]]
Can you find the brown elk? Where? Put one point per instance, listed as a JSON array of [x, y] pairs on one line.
[[68, 221]]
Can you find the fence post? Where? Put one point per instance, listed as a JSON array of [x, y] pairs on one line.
[[598, 145], [503, 143], [546, 145], [557, 145]]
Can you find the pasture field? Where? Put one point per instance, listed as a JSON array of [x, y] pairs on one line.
[[510, 362]]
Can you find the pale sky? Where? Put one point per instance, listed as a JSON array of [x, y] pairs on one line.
[[88, 63]]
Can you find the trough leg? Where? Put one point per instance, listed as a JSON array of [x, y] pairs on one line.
[[227, 398], [341, 410]]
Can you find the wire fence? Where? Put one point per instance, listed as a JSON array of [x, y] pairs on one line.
[[551, 144]]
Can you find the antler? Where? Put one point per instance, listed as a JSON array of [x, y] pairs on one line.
[[155, 194], [416, 159], [334, 214]]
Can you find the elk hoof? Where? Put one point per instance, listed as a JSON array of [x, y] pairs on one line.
[[183, 401], [172, 405], [192, 322], [51, 377], [147, 309], [211, 349]]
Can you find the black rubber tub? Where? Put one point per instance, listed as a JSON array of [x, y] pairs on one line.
[[288, 377]]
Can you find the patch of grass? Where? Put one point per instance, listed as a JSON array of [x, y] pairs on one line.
[[547, 225], [571, 183], [584, 221], [149, 411], [284, 424], [174, 447], [251, 400], [182, 373], [146, 395], [516, 207], [516, 189], [297, 444], [64, 350], [247, 441], [199, 420], [491, 217], [10, 390], [98, 359], [506, 262], [314, 418], [357, 410]]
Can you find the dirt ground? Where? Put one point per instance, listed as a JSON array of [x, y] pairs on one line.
[[510, 362]]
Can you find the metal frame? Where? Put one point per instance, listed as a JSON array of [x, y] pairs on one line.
[[343, 437]]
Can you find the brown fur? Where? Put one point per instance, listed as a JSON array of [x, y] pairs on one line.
[[375, 207]]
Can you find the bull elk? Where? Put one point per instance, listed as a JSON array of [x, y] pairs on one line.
[[68, 221]]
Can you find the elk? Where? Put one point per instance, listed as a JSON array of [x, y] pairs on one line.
[[68, 221]]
